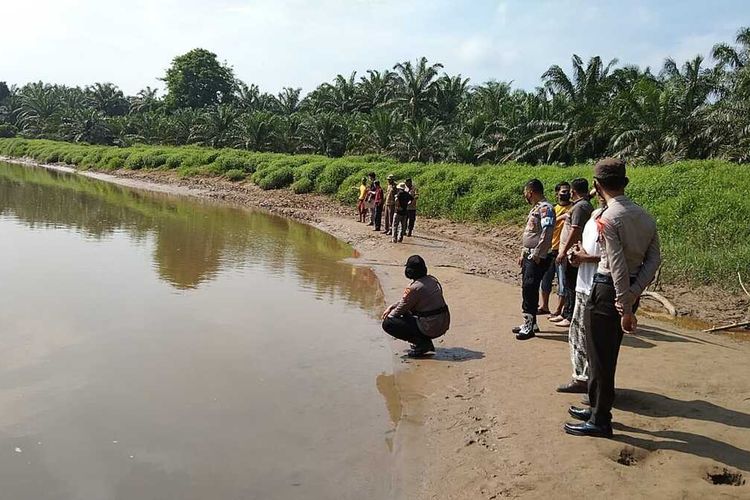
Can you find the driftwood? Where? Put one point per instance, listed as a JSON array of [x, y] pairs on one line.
[[661, 299], [728, 327]]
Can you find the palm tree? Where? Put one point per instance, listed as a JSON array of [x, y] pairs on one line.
[[450, 93], [416, 86], [107, 99], [218, 126], [381, 130], [420, 140], [257, 131], [375, 90], [288, 101], [325, 133]]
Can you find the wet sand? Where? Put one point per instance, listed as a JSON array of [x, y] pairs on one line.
[[482, 420]]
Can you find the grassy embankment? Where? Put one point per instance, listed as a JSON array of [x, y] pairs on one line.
[[702, 207]]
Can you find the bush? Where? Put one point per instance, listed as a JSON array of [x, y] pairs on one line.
[[7, 130], [303, 185], [276, 178], [235, 175]]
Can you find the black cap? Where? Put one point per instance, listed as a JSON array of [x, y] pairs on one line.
[[608, 168], [417, 265]]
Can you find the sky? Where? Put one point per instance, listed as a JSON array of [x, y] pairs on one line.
[[297, 43]]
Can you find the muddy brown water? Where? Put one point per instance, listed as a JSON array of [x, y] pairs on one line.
[[158, 347]]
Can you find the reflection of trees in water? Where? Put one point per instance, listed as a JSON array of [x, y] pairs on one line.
[[194, 241]]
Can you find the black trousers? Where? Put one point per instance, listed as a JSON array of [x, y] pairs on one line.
[[405, 328], [411, 217], [603, 338], [571, 276], [378, 216], [532, 274]]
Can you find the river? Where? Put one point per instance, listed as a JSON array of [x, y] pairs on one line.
[[160, 347]]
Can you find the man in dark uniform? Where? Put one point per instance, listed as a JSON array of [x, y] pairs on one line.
[[630, 258], [536, 255], [422, 314]]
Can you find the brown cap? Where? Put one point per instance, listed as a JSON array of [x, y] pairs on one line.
[[609, 168]]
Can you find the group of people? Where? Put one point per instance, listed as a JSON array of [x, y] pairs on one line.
[[603, 259], [397, 204]]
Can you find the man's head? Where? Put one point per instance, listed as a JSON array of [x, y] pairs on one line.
[[372, 176], [408, 182], [609, 177], [364, 180], [391, 179], [415, 268], [562, 192], [401, 186], [376, 183], [533, 191], [580, 188]]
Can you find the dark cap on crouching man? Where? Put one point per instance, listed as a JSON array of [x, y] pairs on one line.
[[630, 257], [422, 314]]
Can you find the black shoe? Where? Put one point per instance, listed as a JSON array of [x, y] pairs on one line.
[[421, 351], [574, 387], [589, 429], [525, 336], [583, 414]]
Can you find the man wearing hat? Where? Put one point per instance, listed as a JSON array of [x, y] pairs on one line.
[[630, 257], [390, 203], [422, 314], [402, 200]]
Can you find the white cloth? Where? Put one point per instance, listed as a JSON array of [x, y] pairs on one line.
[[590, 244]]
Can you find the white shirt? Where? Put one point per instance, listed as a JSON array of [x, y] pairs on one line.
[[590, 244]]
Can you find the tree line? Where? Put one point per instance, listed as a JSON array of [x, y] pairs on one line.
[[417, 112]]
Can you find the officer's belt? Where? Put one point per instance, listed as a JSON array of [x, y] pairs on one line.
[[607, 279], [434, 312]]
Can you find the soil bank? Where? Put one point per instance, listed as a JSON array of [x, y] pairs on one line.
[[481, 419]]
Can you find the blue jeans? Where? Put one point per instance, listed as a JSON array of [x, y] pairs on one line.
[[553, 270]]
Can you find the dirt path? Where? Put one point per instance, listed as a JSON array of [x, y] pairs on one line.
[[482, 420]]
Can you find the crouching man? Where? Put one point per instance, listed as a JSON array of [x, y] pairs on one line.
[[422, 314]]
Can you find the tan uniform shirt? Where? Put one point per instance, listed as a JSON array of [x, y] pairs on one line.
[[390, 195], [412, 191], [423, 295], [630, 249], [537, 235]]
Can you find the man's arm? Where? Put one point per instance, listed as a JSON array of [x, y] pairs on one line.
[[618, 265], [651, 264], [547, 222], [406, 304]]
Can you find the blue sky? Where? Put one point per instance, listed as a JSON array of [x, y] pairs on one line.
[[277, 43]]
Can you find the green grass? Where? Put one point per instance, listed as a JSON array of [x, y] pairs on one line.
[[702, 207]]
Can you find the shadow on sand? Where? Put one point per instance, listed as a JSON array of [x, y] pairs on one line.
[[452, 354]]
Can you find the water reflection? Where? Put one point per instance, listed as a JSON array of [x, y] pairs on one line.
[[194, 241]]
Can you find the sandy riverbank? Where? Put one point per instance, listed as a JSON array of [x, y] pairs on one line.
[[482, 420]]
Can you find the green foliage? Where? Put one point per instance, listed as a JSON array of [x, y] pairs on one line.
[[701, 207], [197, 80], [7, 130], [303, 185]]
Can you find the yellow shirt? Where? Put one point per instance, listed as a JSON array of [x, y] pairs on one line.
[[362, 192], [559, 210]]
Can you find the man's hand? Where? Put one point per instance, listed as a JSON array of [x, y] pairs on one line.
[[536, 259], [520, 261], [387, 312], [629, 323], [560, 259]]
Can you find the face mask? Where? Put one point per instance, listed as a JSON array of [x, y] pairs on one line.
[[564, 196]]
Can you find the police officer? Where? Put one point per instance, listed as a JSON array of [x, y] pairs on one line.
[[422, 314], [536, 254], [630, 257], [390, 203]]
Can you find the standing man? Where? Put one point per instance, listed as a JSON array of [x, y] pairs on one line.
[[535, 256], [629, 261], [378, 205], [361, 210], [562, 194], [399, 218], [422, 314], [411, 210], [370, 199], [390, 203], [578, 216], [585, 257]]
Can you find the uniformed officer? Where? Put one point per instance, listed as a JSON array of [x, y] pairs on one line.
[[422, 314], [535, 256], [630, 257]]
